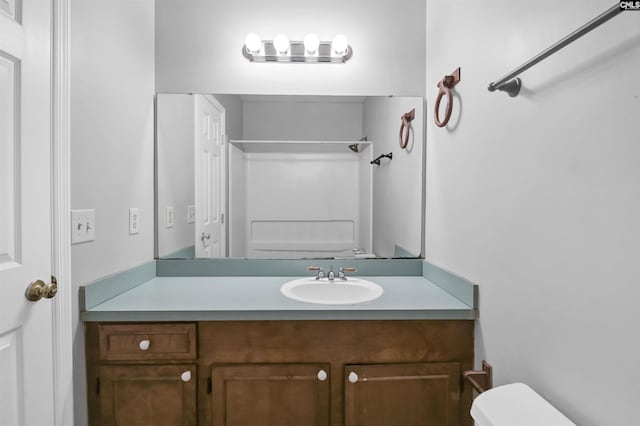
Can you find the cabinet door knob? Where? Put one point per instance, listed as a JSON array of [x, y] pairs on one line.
[[322, 375], [353, 377], [186, 376], [144, 344]]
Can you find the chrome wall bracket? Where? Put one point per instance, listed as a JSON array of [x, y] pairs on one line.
[[511, 87]]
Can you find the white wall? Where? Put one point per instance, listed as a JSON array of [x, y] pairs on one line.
[[199, 46], [302, 118], [537, 198], [112, 87], [233, 114], [397, 183], [176, 177]]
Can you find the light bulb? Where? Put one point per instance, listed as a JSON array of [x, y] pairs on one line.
[[311, 43], [253, 43], [281, 44], [339, 44]]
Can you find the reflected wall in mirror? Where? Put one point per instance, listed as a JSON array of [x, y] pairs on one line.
[[264, 176]]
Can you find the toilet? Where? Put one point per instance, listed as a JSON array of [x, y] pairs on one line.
[[515, 405]]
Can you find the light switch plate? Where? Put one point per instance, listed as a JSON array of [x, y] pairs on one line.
[[83, 224], [169, 216], [134, 221], [191, 214]]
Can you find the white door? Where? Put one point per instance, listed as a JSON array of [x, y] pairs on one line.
[[210, 174], [26, 376]]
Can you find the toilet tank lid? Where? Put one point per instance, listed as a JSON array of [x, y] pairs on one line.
[[515, 404]]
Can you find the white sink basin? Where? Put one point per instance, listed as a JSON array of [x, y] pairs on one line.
[[325, 292]]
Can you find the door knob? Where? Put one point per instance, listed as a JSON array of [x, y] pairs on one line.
[[353, 377], [205, 236], [38, 289]]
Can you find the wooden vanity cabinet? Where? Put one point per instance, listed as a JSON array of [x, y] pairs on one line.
[[402, 394], [409, 372], [149, 395], [269, 394], [141, 374], [284, 373]]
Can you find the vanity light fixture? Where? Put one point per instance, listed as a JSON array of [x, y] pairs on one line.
[[311, 44], [253, 43], [281, 44], [312, 49], [339, 45]]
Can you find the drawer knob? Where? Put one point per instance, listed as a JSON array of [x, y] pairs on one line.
[[144, 344], [186, 376], [353, 377], [322, 375]]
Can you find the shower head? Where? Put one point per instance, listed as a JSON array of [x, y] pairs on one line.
[[376, 161], [354, 147]]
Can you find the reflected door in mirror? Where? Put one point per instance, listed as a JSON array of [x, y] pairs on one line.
[[210, 177]]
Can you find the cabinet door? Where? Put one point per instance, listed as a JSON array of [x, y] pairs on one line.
[[148, 395], [270, 395], [402, 394]]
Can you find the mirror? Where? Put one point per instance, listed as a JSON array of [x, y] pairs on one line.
[[274, 177]]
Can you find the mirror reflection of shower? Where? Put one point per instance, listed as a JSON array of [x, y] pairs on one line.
[[294, 177]]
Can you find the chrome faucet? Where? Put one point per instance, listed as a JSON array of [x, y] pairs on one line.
[[319, 269], [331, 276], [341, 272]]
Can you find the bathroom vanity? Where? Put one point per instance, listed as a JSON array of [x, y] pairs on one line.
[[198, 351], [405, 372]]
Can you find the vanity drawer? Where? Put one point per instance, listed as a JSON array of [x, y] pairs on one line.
[[120, 342]]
